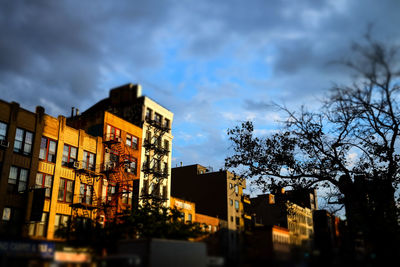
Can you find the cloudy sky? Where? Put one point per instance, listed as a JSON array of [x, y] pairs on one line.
[[212, 63]]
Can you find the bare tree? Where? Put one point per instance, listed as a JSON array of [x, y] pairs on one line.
[[350, 144]]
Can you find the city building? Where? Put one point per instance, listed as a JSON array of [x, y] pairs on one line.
[[269, 210], [120, 162], [20, 139], [187, 208], [128, 103], [217, 194]]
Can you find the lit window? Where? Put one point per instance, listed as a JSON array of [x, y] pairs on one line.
[[3, 131], [44, 181], [236, 205], [23, 141], [110, 192], [131, 166], [88, 161], [132, 141], [126, 196], [85, 194], [48, 150], [65, 190], [39, 228], [6, 214], [17, 179], [236, 189], [69, 155], [112, 132]]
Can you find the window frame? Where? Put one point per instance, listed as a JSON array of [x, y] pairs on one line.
[[40, 228], [130, 138], [43, 183], [14, 187], [23, 143], [86, 160], [47, 151], [111, 132], [3, 137], [84, 196], [69, 158], [64, 199]]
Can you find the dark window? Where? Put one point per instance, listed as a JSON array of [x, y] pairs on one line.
[[132, 141], [65, 190], [166, 123], [158, 118], [17, 179], [3, 131], [61, 220], [48, 150], [148, 114], [44, 181], [85, 194], [69, 155], [166, 145], [88, 161], [23, 141]]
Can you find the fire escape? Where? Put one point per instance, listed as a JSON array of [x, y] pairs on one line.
[[154, 171], [89, 201], [119, 170]]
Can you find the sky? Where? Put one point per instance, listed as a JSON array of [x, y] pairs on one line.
[[212, 63]]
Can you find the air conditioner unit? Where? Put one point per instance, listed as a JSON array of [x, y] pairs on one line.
[[76, 165], [4, 143]]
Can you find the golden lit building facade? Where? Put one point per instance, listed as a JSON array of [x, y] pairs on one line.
[[186, 208]]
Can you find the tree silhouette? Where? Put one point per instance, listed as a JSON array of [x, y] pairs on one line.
[[350, 145]]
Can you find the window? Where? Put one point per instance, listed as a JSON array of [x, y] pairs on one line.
[[132, 141], [110, 192], [61, 220], [182, 215], [131, 166], [148, 114], [39, 228], [165, 171], [3, 131], [148, 137], [166, 124], [69, 155], [190, 217], [236, 189], [157, 165], [236, 205], [166, 145], [112, 132], [48, 150], [85, 194], [230, 186], [65, 190], [6, 214], [231, 202], [158, 118], [17, 179], [126, 196], [44, 181], [23, 141], [237, 221], [88, 161]]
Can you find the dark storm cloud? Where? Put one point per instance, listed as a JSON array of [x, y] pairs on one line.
[[54, 50], [250, 104]]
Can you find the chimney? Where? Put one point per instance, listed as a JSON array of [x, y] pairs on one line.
[[72, 112]]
